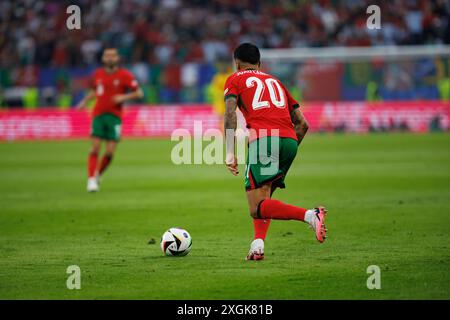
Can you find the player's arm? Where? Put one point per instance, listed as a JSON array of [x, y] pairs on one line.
[[135, 94], [230, 125], [300, 124], [84, 102], [297, 118]]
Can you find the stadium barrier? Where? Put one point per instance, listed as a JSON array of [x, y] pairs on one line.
[[160, 121]]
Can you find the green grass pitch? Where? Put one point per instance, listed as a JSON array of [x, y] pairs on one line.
[[388, 197]]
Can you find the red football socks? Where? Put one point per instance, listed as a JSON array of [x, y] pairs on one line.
[[261, 226], [106, 160], [274, 209], [92, 164]]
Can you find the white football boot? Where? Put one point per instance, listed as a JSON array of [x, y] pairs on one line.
[[92, 185], [256, 250], [316, 219]]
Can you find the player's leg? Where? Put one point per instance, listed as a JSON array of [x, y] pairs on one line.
[[260, 226], [112, 131], [110, 149], [262, 176], [263, 207], [263, 168], [261, 204], [92, 185]]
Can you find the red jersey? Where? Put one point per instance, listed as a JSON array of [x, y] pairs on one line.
[[107, 85], [264, 102]]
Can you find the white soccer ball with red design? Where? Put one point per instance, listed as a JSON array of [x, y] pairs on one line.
[[176, 242]]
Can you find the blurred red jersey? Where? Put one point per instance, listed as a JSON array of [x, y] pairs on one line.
[[107, 85], [264, 102]]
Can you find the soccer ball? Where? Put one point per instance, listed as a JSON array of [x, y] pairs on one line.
[[176, 242]]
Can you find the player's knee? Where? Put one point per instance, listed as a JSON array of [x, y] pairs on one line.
[[254, 212], [95, 150]]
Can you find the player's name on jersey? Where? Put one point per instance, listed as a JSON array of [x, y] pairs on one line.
[[250, 71]]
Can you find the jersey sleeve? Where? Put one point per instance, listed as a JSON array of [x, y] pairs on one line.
[[130, 81], [230, 89]]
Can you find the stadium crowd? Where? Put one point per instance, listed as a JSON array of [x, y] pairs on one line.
[[34, 31]]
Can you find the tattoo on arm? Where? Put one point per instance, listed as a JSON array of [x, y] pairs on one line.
[[230, 123], [300, 124]]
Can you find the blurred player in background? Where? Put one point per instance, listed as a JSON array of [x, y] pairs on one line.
[[111, 86], [217, 84], [271, 113]]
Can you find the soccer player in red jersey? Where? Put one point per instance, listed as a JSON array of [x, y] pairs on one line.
[[277, 127], [111, 86]]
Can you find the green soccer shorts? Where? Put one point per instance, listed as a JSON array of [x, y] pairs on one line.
[[106, 126], [269, 160]]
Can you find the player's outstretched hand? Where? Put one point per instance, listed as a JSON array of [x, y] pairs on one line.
[[231, 164]]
